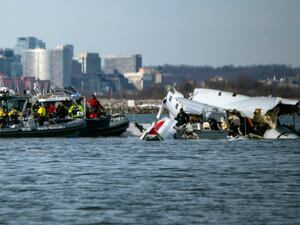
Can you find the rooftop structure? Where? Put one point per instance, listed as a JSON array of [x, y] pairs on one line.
[[24, 43]]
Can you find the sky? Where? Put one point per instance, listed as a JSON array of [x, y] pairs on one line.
[[192, 32]]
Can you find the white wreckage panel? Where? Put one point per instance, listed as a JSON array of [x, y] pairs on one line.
[[245, 105]]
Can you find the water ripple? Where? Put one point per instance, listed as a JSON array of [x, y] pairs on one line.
[[128, 181]]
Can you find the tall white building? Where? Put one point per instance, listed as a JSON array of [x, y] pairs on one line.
[[49, 64]]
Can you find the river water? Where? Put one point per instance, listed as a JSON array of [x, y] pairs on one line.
[[128, 181]]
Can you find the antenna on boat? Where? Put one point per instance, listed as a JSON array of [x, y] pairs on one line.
[[37, 88], [1, 82], [18, 90]]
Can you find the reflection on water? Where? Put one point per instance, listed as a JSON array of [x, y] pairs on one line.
[[128, 181]]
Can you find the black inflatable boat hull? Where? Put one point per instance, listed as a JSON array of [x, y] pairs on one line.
[[68, 129], [104, 127]]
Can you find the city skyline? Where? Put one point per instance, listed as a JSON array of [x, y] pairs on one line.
[[165, 32]]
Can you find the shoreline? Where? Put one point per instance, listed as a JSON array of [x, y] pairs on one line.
[[143, 106]]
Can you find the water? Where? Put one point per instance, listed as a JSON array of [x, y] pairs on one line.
[[128, 181]]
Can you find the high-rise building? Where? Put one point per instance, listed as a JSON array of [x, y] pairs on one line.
[[51, 64], [122, 63], [76, 69], [5, 66], [6, 59], [6, 53], [24, 43], [16, 69], [62, 65], [90, 63]]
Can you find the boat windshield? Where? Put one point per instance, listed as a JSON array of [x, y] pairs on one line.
[[13, 103]]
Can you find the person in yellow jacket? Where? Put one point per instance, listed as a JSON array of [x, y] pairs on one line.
[[3, 118], [76, 110], [41, 114], [14, 116]]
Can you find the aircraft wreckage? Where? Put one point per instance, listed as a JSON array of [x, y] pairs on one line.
[[214, 114]]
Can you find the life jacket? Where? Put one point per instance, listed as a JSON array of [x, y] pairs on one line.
[[75, 109], [13, 112], [93, 115], [51, 109], [2, 114], [94, 103], [41, 112]]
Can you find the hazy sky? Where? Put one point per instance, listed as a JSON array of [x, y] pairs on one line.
[[194, 32]]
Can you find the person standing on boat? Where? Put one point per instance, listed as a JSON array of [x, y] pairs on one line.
[[95, 107], [27, 112], [35, 107], [61, 111], [41, 113], [3, 118], [14, 116], [76, 110], [51, 110], [182, 118]]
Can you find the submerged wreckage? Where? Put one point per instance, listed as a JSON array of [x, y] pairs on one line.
[[214, 114]]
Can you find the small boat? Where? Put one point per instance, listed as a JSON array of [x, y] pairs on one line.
[[28, 127], [64, 129], [103, 126]]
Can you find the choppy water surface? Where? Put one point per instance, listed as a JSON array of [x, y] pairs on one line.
[[128, 181]]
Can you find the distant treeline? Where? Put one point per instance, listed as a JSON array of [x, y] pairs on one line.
[[202, 73], [246, 85], [240, 79]]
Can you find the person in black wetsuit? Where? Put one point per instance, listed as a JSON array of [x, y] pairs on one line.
[[61, 111], [182, 118]]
